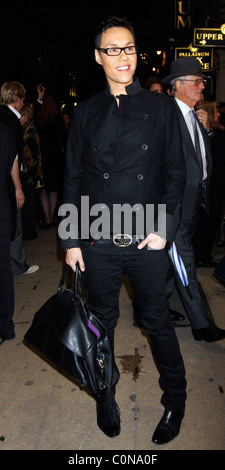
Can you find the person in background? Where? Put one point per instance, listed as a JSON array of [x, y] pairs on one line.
[[33, 161], [9, 166], [66, 115], [66, 118], [208, 224], [154, 84], [221, 109], [50, 128], [187, 84], [12, 101]]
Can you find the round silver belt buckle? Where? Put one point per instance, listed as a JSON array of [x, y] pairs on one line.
[[122, 239]]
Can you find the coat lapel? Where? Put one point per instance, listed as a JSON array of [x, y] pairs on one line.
[[186, 134], [188, 141]]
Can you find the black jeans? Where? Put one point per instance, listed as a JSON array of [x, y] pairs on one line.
[[105, 265]]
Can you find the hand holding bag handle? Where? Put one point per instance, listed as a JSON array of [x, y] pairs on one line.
[[67, 333], [78, 281]]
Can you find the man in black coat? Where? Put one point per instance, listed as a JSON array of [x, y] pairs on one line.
[[187, 84], [9, 165], [124, 149], [12, 100]]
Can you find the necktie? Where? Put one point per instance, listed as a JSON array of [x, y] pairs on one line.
[[196, 138]]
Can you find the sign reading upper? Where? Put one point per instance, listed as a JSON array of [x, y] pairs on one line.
[[209, 37]]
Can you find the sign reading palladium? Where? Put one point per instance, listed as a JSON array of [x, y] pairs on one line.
[[108, 222], [205, 56]]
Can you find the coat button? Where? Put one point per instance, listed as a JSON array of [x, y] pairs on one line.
[[106, 176], [140, 177], [144, 147]]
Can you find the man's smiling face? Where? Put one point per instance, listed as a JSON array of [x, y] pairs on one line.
[[120, 69]]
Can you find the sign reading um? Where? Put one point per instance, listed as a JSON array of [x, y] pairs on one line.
[[182, 14]]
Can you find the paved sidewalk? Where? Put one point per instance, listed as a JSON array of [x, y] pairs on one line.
[[42, 410]]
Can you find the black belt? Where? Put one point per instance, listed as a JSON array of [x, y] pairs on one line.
[[121, 240]]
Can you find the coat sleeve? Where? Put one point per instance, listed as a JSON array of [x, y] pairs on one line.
[[173, 171], [71, 183]]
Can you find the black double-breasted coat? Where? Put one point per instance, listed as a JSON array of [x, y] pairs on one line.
[[131, 153]]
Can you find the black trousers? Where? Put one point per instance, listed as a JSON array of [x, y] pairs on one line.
[[18, 257], [191, 298], [105, 265], [6, 287]]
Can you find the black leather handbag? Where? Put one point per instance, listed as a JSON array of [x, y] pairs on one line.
[[67, 334]]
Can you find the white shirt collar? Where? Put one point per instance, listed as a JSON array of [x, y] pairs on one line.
[[14, 111], [183, 107], [185, 111]]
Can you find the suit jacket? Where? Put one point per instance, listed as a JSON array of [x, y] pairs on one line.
[[193, 187], [7, 157], [128, 154], [8, 117]]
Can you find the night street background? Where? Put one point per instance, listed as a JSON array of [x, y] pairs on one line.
[[53, 42]]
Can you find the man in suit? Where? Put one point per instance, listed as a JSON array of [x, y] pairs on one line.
[[12, 100], [124, 147], [187, 83], [9, 166]]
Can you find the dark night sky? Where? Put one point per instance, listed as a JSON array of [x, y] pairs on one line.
[[47, 42]]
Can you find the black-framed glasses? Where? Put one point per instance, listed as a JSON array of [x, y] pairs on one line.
[[112, 51], [196, 81]]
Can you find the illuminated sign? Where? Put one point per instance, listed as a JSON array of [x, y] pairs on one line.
[[182, 14], [204, 37], [205, 56]]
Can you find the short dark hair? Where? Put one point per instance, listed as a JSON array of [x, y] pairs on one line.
[[112, 22], [151, 81]]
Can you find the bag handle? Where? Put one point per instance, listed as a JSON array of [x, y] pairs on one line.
[[78, 281], [63, 278]]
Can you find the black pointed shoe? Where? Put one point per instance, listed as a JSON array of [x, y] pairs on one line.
[[169, 426], [108, 415], [210, 334], [176, 316]]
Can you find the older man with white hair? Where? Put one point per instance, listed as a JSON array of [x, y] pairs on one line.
[[187, 83]]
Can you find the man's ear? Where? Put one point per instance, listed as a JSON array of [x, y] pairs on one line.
[[178, 84], [98, 57]]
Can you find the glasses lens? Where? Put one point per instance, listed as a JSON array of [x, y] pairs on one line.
[[113, 51], [198, 81], [117, 50], [131, 50]]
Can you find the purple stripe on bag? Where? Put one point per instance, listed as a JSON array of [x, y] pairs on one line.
[[89, 324], [92, 327]]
